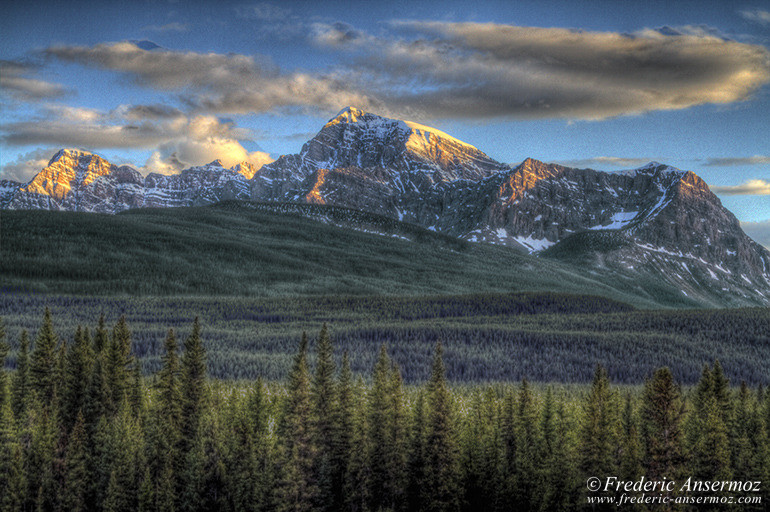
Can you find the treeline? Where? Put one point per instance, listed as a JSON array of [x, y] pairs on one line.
[[82, 430]]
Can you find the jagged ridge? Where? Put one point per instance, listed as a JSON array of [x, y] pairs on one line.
[[672, 225]]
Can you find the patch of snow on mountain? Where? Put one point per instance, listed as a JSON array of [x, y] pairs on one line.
[[534, 244], [617, 221]]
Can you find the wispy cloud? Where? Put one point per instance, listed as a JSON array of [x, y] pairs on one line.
[[749, 188], [607, 161], [756, 16], [736, 161], [14, 80], [759, 231], [263, 11], [168, 27]]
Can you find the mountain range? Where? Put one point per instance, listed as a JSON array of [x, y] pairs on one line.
[[655, 220]]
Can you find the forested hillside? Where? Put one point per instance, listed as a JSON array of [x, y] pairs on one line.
[[240, 249], [82, 430], [544, 337]]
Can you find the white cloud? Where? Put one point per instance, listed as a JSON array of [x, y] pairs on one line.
[[177, 141], [734, 161], [757, 16], [172, 157], [749, 188], [26, 165]]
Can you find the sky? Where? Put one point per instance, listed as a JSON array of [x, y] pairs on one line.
[[612, 85]]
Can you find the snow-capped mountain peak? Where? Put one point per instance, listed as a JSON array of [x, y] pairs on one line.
[[655, 217]]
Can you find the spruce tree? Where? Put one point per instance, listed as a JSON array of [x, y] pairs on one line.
[[117, 368], [77, 475], [508, 440], [630, 446], [12, 461], [240, 458], [125, 462], [526, 467], [43, 363], [325, 416], [259, 414], [343, 437], [703, 392], [662, 412], [742, 451], [77, 372], [41, 493], [20, 382], [136, 395], [358, 476], [193, 385], [379, 409], [559, 484], [479, 453], [297, 488], [165, 462], [397, 442], [707, 429], [388, 435], [416, 468], [9, 450], [441, 489], [599, 433], [4, 348], [101, 336]]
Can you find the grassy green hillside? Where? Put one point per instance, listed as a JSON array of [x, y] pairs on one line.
[[238, 249]]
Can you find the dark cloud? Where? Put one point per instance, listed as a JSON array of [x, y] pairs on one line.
[[736, 161], [749, 188], [14, 80], [154, 112], [218, 83], [491, 70], [460, 70]]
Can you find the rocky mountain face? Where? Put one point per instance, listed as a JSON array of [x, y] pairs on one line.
[[80, 181], [655, 220]]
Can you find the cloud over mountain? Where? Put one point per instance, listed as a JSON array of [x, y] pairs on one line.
[[458, 70], [749, 188]]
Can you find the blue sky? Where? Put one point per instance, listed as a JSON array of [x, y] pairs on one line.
[[606, 85]]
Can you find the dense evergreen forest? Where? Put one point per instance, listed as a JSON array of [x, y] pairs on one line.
[[81, 429], [491, 337]]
